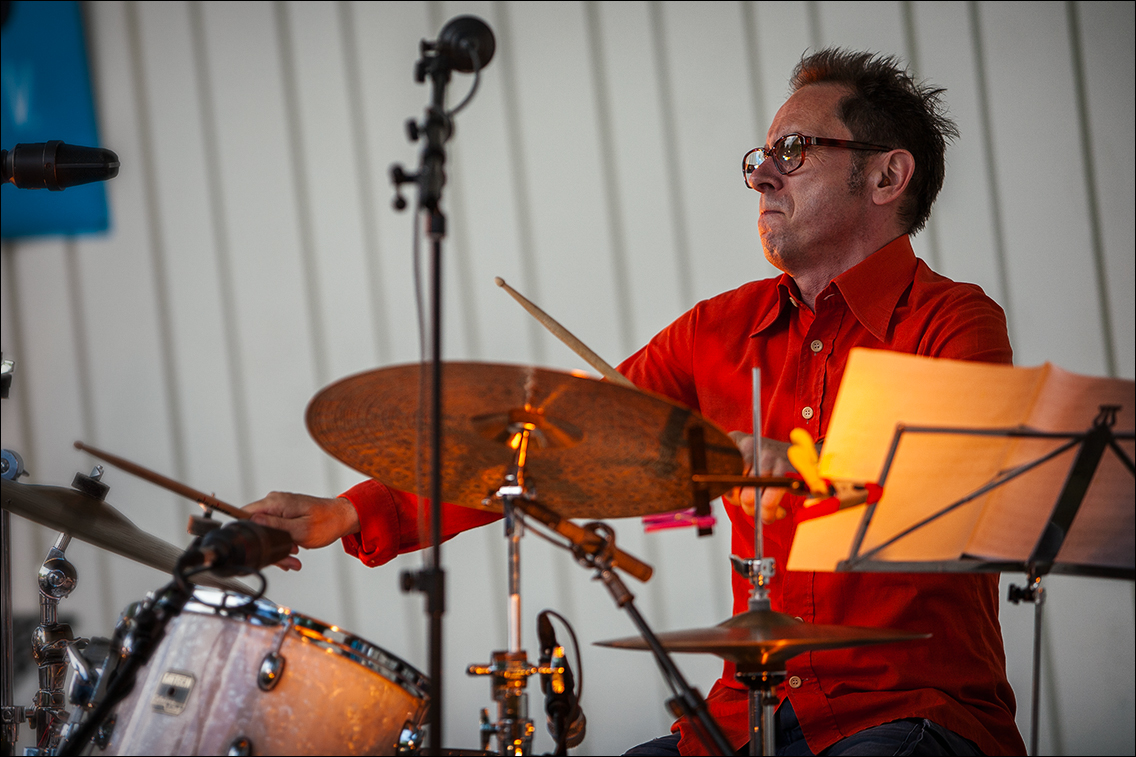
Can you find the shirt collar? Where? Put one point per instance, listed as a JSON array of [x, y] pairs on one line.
[[871, 288]]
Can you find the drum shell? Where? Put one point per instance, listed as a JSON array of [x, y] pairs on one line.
[[324, 702]]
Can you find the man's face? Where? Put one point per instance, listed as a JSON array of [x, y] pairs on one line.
[[807, 216]]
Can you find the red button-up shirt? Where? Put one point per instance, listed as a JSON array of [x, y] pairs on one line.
[[890, 301]]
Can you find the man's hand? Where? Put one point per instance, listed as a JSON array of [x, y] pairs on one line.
[[774, 462], [313, 522]]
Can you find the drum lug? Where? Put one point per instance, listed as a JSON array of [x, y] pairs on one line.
[[271, 668], [409, 739], [241, 747]]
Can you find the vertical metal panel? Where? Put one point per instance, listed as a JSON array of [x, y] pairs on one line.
[[482, 178], [559, 144], [612, 200], [367, 183], [117, 345], [519, 174], [1033, 110], [158, 255], [876, 27], [386, 39], [1088, 164], [870, 26], [272, 323], [964, 213], [714, 127], [644, 168], [171, 123], [783, 35], [1109, 58], [219, 215]]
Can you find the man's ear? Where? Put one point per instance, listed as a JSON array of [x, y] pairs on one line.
[[891, 176]]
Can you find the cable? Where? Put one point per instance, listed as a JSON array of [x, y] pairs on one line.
[[472, 50]]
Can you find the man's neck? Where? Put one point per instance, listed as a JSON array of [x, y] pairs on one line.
[[813, 279]]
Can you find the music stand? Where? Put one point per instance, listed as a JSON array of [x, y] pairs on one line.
[[985, 468]]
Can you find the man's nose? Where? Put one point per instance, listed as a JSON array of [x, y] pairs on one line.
[[765, 176]]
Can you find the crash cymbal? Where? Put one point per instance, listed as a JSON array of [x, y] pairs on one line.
[[765, 640], [96, 522], [603, 451]]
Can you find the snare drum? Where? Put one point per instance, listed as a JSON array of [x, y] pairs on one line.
[[237, 678]]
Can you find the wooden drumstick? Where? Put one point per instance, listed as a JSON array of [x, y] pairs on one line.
[[566, 336], [208, 500]]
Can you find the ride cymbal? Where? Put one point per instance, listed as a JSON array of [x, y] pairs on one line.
[[602, 450]]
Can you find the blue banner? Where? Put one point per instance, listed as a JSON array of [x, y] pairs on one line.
[[45, 88]]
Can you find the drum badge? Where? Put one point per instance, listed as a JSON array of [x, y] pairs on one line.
[[173, 692]]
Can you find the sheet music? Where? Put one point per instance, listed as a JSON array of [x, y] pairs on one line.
[[931, 471]]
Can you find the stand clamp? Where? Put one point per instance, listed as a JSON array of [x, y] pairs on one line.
[[514, 727]]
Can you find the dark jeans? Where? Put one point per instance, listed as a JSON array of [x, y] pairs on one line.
[[912, 736]]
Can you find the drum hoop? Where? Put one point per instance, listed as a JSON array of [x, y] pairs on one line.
[[262, 612]]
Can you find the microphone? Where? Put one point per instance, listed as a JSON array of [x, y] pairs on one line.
[[240, 547], [566, 721], [56, 166], [461, 35]]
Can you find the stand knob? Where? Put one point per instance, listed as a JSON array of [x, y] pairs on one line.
[[91, 485], [11, 465]]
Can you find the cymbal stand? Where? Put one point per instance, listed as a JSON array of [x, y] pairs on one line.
[[687, 701], [57, 579], [511, 669], [759, 571]]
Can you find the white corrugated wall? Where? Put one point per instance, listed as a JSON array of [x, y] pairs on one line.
[[254, 258]]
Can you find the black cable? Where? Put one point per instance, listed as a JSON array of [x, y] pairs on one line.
[[472, 50], [579, 661], [565, 726]]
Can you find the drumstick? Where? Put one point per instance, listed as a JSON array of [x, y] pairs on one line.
[[566, 336], [208, 500]]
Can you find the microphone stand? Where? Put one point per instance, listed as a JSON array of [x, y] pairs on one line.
[[437, 128], [140, 638]]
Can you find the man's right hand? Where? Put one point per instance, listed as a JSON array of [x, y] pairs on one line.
[[313, 522], [774, 462]]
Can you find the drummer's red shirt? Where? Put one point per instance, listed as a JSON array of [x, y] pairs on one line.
[[891, 301]]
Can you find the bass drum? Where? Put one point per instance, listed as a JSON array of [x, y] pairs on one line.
[[238, 677]]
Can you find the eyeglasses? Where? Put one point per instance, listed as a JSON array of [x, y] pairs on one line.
[[788, 153]]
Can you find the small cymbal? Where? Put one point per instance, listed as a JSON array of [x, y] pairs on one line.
[[96, 522], [603, 450], [765, 640]]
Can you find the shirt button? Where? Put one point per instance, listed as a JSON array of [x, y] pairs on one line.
[[817, 345], [795, 682], [807, 413]]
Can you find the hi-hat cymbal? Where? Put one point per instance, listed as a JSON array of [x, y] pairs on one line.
[[765, 640], [603, 451], [95, 522]]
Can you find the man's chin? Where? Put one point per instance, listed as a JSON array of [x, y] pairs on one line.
[[776, 252]]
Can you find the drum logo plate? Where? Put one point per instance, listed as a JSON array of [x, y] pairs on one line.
[[173, 692]]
